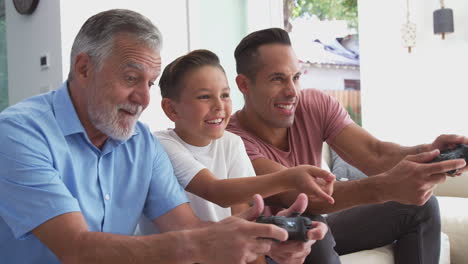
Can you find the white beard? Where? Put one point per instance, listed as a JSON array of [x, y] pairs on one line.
[[107, 119]]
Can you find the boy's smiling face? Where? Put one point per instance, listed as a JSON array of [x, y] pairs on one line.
[[204, 106]]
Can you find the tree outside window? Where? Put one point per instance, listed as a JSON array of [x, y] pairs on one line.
[[324, 36]]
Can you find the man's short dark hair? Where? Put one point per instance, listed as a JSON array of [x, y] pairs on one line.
[[174, 74], [246, 52]]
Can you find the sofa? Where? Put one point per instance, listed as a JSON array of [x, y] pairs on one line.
[[453, 202]]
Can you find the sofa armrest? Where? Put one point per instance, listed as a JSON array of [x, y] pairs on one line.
[[454, 216], [454, 186]]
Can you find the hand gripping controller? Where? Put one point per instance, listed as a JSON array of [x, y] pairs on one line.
[[296, 225], [460, 152]]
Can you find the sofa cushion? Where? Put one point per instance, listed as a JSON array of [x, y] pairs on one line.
[[384, 255], [343, 170]]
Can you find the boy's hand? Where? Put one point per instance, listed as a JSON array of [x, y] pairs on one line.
[[295, 251], [315, 182]]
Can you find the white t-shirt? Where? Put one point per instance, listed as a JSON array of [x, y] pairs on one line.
[[225, 158]]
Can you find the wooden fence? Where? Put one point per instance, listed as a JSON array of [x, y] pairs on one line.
[[350, 100]]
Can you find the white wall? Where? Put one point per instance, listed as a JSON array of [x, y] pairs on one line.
[[264, 14], [412, 98], [28, 38], [213, 24], [169, 16], [219, 26], [52, 28]]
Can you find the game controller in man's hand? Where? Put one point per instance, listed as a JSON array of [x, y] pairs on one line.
[[460, 152], [296, 225]]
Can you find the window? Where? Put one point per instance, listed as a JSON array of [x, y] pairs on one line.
[[352, 84], [324, 34]]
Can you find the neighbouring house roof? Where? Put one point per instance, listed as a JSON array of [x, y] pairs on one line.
[[330, 65], [342, 53]]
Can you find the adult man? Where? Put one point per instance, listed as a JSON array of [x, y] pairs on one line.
[[78, 169], [282, 127]]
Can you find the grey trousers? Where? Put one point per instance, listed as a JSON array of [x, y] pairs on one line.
[[414, 230]]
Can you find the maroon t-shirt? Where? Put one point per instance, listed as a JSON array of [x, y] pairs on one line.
[[318, 118]]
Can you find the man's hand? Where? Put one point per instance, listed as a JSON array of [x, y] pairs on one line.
[[413, 180], [292, 252], [236, 239], [315, 182], [444, 142]]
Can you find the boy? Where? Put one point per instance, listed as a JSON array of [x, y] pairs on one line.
[[210, 163]]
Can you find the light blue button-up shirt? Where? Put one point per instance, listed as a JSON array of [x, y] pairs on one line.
[[48, 167]]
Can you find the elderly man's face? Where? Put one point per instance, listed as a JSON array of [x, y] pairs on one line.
[[120, 89], [274, 93]]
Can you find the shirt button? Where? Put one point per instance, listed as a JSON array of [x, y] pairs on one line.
[[107, 197]]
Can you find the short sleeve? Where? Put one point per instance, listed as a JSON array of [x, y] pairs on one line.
[[240, 165], [252, 148], [250, 145], [165, 192], [185, 165], [31, 189], [326, 111]]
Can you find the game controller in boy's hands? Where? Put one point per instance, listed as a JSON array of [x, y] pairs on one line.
[[296, 225], [460, 152]]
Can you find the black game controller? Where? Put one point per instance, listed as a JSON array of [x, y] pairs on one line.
[[460, 152], [296, 225]]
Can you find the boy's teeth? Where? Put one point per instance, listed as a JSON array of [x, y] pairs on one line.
[[288, 106], [216, 121]]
